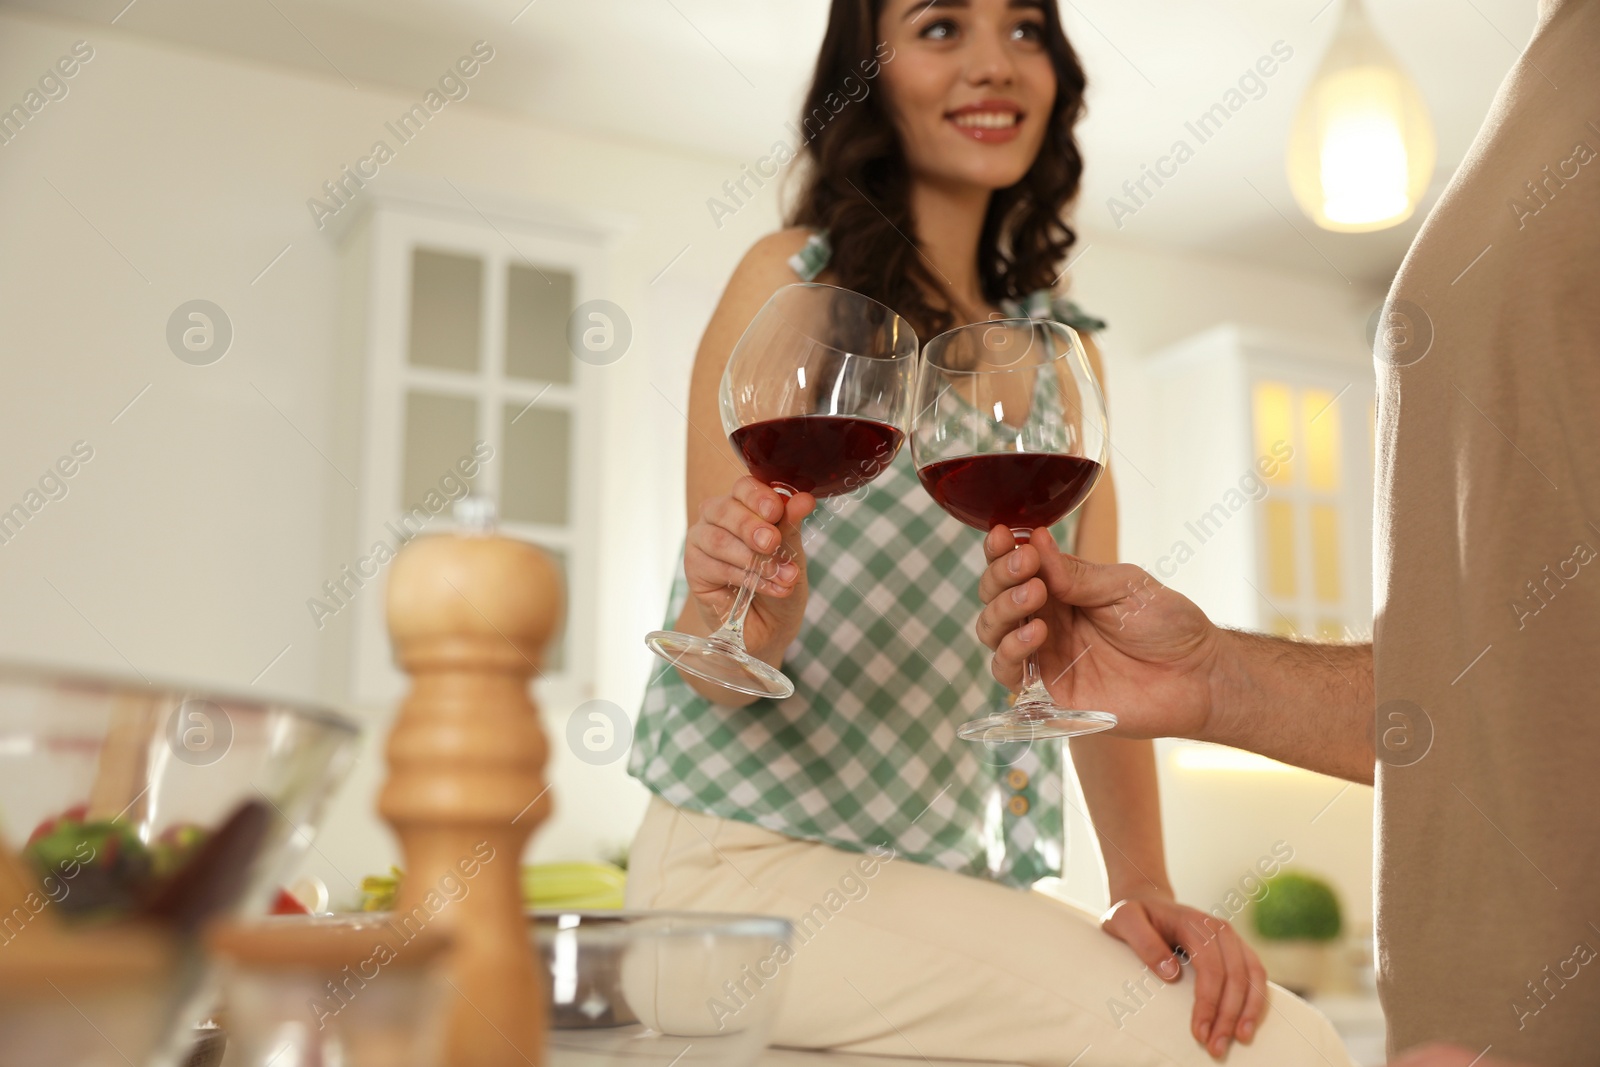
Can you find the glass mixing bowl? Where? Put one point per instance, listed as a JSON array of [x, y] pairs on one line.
[[110, 786], [694, 989]]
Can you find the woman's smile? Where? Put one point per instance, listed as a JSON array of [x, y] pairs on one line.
[[988, 121]]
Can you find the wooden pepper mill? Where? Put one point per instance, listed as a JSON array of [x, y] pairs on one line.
[[469, 615]]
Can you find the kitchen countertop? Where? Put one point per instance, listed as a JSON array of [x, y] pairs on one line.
[[788, 1057]]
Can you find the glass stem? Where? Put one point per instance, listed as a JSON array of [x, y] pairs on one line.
[[1033, 689], [732, 631]]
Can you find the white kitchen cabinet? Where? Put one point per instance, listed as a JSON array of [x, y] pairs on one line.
[[1264, 482], [456, 359]]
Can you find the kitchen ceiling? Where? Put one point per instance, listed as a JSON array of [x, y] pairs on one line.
[[724, 76]]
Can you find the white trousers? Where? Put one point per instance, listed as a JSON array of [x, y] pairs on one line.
[[900, 959]]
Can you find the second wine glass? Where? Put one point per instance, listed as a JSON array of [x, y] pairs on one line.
[[1010, 430], [815, 399]]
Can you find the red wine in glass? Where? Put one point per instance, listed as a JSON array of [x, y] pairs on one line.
[[823, 455], [1019, 490]]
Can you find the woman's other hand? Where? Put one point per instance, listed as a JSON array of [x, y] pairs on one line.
[[732, 531], [1230, 984]]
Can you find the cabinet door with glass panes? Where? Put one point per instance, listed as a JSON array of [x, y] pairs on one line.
[[471, 388], [1313, 543], [1261, 481]]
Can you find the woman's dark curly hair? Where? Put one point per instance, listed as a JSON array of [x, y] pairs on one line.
[[857, 184]]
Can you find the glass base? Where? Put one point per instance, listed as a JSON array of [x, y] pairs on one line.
[[720, 661], [1035, 721]]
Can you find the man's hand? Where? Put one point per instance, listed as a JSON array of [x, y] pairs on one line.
[[1109, 636], [1230, 985]]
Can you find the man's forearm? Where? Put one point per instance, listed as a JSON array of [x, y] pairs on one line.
[[1298, 702]]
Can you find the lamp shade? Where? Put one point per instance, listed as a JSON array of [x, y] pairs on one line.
[[1361, 149]]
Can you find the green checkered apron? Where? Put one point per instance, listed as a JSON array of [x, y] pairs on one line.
[[885, 668]]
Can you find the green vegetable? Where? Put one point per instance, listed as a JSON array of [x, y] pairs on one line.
[[102, 867], [176, 846], [578, 886], [1297, 907], [378, 891]]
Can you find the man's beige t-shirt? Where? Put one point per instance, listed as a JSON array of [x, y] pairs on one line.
[[1487, 637]]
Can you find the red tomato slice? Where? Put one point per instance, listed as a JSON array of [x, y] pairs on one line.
[[285, 903]]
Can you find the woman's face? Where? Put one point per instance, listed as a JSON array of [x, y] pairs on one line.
[[970, 87]]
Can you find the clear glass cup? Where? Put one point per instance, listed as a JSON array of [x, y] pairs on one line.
[[362, 990]]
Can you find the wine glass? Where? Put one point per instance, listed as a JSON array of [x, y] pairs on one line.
[[815, 399], [1010, 430]]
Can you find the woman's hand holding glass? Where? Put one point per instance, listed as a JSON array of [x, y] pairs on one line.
[[814, 399], [753, 520]]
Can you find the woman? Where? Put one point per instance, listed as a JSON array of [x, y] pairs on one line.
[[851, 807]]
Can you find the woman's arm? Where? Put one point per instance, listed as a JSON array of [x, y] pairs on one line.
[[1118, 775], [732, 517], [1121, 788]]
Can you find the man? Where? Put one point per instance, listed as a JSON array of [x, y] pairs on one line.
[[1482, 677]]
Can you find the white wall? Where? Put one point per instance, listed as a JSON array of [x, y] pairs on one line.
[[191, 541], [187, 547]]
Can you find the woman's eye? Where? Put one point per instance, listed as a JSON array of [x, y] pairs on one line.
[[943, 30], [1032, 32]]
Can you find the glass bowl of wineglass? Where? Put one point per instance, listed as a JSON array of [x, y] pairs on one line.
[[1010, 430], [815, 399]]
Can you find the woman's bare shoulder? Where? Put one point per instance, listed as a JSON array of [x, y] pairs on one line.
[[1096, 361], [769, 257], [764, 269]]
